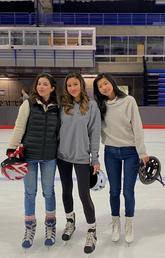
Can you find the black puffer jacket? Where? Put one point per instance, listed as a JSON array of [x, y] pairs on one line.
[[41, 136]]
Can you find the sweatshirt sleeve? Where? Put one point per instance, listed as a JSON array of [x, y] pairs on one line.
[[138, 130], [20, 125], [94, 132]]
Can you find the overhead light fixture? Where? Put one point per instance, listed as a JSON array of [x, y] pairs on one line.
[[4, 78], [89, 75], [2, 92], [160, 2]]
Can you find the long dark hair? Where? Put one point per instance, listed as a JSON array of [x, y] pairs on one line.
[[68, 100], [34, 94], [101, 99]]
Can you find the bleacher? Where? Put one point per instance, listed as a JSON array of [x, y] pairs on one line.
[[155, 87]]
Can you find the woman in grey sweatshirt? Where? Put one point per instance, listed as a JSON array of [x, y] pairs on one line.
[[122, 135], [79, 145]]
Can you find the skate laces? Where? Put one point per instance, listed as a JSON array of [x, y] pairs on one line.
[[69, 227], [50, 230], [128, 227], [115, 224], [90, 239], [29, 232]]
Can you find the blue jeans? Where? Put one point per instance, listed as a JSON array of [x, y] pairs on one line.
[[116, 160], [47, 168]]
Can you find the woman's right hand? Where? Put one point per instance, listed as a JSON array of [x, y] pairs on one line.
[[96, 168], [145, 159], [10, 153]]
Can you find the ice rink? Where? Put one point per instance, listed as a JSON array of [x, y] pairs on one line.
[[149, 222]]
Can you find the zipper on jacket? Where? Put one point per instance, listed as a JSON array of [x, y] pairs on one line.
[[45, 132]]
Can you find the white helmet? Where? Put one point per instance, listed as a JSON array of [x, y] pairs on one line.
[[97, 181]]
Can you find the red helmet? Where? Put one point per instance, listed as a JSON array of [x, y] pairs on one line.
[[14, 168]]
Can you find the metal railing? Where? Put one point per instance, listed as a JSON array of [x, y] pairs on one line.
[[129, 58], [83, 19]]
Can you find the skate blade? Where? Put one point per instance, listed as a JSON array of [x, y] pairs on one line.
[[48, 247], [26, 251], [65, 243], [129, 244], [90, 255], [116, 243]]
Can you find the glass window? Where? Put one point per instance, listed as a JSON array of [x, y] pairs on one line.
[[119, 45], [136, 45], [72, 38], [44, 38], [30, 38], [102, 45], [59, 38], [86, 38], [17, 38], [155, 45], [4, 38]]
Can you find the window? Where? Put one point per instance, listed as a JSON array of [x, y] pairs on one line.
[[86, 38], [72, 38], [44, 37], [59, 38], [102, 45], [17, 38], [155, 45], [119, 45], [30, 38], [4, 38], [136, 45]]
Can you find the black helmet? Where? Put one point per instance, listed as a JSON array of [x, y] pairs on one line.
[[151, 172]]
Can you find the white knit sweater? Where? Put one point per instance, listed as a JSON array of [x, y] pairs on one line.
[[122, 125]]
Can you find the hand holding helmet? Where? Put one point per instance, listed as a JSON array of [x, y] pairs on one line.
[[10, 152], [96, 168], [150, 172], [145, 160]]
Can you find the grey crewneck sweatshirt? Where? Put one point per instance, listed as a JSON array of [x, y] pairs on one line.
[[80, 135], [122, 125]]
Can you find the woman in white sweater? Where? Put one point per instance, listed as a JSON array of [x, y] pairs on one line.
[[122, 135]]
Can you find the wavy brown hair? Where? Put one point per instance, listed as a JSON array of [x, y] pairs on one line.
[[68, 101], [34, 94]]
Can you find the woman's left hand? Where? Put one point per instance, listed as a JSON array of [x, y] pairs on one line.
[[96, 168]]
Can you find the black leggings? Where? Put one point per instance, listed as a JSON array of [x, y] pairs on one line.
[[83, 177]]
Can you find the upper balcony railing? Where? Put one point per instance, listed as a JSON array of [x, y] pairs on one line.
[[83, 19]]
